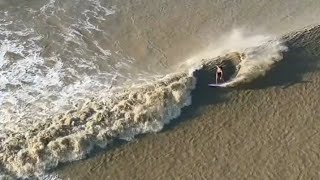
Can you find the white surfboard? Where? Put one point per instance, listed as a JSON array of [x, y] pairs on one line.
[[215, 85]]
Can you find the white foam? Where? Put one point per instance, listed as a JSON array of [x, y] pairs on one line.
[[260, 53], [235, 41], [258, 61], [34, 86], [40, 90]]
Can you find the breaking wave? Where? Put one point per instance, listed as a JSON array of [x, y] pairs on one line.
[[51, 112], [126, 112], [255, 62]]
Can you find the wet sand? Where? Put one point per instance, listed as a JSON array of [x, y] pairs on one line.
[[267, 130]]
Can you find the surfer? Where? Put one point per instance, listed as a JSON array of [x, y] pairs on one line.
[[219, 74]]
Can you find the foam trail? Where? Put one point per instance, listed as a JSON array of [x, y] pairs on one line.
[[72, 135]]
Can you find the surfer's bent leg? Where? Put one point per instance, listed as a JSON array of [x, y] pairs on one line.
[[221, 79], [219, 74], [217, 78]]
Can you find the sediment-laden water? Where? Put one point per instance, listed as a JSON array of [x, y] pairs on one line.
[[77, 75]]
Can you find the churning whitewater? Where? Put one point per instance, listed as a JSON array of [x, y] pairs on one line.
[[63, 92], [133, 110]]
